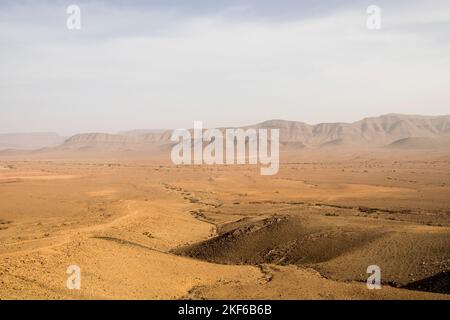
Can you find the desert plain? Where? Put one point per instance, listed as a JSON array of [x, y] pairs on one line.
[[153, 230], [347, 196]]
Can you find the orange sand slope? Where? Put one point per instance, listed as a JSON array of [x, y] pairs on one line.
[[156, 231]]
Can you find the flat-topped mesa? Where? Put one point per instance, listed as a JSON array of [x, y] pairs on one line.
[[373, 132], [369, 132]]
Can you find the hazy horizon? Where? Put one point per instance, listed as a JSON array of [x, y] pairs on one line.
[[144, 65], [208, 126]]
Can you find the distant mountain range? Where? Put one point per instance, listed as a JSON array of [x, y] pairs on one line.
[[388, 131], [383, 131], [30, 141]]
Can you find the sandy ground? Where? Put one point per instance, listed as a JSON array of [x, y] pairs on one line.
[[156, 231]]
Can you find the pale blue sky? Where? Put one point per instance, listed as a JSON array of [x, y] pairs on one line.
[[164, 64]]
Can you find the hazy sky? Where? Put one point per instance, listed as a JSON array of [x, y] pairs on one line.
[[164, 64]]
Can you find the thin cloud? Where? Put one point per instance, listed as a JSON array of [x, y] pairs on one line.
[[130, 68]]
